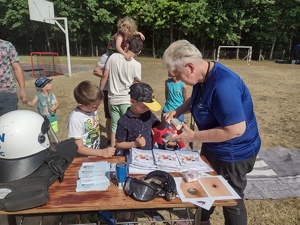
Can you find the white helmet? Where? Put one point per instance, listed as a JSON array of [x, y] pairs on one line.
[[24, 143]]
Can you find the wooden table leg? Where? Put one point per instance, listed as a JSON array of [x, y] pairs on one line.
[[197, 217], [11, 219]]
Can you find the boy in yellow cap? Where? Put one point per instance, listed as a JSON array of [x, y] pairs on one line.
[[134, 128]]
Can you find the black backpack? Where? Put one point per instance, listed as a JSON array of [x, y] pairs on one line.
[[32, 190]]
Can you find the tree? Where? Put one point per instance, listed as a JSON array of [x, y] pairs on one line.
[[265, 24], [167, 17]]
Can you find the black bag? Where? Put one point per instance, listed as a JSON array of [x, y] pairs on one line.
[[32, 191]]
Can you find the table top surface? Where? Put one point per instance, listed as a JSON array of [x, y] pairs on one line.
[[64, 198]]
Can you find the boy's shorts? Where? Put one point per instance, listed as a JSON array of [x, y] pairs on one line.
[[54, 126], [116, 111], [105, 104]]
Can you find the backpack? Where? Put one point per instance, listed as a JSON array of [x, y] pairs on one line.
[[32, 190]]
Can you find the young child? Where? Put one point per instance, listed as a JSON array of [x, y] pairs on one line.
[[46, 101], [98, 71], [121, 74], [119, 42], [127, 28], [83, 124], [135, 126], [175, 93]]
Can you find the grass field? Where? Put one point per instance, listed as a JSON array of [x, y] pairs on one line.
[[275, 90]]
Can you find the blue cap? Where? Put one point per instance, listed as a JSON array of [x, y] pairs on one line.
[[41, 82]]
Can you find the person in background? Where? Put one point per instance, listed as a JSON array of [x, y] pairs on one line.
[[98, 71], [46, 101], [175, 94], [9, 70], [222, 108], [83, 124], [119, 43], [122, 74], [127, 28]]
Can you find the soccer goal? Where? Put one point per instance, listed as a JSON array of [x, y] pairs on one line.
[[247, 51], [45, 64]]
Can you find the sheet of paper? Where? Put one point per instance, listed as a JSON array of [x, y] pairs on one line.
[[205, 191], [93, 176], [204, 203], [165, 158], [142, 157], [218, 188]]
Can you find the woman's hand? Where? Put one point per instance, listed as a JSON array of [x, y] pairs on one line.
[[187, 135], [169, 115]]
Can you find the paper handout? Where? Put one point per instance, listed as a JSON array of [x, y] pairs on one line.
[[93, 176], [145, 161], [205, 191]]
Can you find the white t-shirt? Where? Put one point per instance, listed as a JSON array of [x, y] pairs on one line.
[[85, 126], [121, 76], [101, 64]]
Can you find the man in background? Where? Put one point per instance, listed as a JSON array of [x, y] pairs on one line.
[[122, 74], [9, 70]]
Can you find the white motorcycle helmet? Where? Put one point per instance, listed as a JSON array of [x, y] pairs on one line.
[[24, 144]]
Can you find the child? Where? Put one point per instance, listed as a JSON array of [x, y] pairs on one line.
[[46, 101], [119, 42], [127, 28], [83, 124], [134, 128], [175, 93], [121, 75], [98, 71]]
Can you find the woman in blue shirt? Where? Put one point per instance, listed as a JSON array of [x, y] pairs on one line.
[[222, 107]]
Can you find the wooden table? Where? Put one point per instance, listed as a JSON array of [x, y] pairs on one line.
[[64, 198]]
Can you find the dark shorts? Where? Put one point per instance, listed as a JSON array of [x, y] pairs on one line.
[[105, 103], [8, 102]]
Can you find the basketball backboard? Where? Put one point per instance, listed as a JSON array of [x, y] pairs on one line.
[[41, 10]]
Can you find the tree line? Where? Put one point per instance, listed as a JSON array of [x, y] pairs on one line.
[[266, 25]]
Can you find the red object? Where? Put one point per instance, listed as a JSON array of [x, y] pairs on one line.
[[157, 136]]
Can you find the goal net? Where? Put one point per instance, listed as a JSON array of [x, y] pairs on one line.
[[235, 52], [45, 64]]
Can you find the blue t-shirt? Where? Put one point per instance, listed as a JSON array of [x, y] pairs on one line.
[[130, 127], [225, 101]]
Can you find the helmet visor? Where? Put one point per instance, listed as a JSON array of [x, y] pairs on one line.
[[139, 190]]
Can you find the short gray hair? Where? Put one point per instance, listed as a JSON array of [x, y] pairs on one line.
[[179, 53]]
